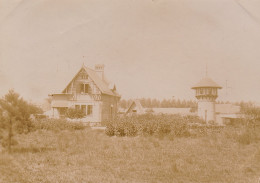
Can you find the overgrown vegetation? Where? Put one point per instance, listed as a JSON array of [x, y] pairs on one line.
[[165, 148], [149, 124], [15, 118], [74, 113], [251, 125], [243, 131], [57, 125], [92, 156], [15, 115], [252, 115]]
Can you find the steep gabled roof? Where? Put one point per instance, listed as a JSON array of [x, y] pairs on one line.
[[136, 103], [103, 85], [206, 82]]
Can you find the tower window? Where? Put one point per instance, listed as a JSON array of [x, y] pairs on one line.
[[210, 91], [214, 91], [201, 91]]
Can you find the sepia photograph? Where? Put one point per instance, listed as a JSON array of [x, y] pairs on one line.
[[130, 91]]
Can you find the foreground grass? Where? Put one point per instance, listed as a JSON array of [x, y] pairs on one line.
[[91, 156]]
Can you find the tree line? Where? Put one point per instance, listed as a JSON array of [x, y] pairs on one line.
[[178, 103]]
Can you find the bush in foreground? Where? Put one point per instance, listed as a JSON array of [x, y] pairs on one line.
[[74, 113], [57, 124], [248, 136], [149, 124]]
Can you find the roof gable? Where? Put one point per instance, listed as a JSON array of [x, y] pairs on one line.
[[136, 104], [103, 85]]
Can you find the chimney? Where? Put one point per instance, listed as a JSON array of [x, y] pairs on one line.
[[99, 68]]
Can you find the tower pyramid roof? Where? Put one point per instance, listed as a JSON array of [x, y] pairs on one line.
[[206, 82]]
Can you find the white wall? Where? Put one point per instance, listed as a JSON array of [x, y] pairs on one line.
[[206, 110]]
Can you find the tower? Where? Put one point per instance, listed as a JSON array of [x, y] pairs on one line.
[[206, 93]]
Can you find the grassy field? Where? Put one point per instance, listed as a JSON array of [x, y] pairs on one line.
[[92, 156]]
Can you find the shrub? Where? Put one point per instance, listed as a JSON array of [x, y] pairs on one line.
[[248, 136], [191, 119], [252, 115], [25, 126], [148, 124], [180, 129], [110, 129], [130, 129], [237, 122], [57, 124], [74, 113], [5, 141]]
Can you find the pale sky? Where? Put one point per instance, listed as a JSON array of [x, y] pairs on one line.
[[150, 48]]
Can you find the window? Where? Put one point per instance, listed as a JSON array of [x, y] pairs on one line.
[[84, 76], [210, 91], [90, 110], [77, 107], [214, 91], [83, 109], [84, 88], [201, 91]]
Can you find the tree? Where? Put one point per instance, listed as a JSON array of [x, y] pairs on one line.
[[164, 103], [155, 103], [143, 102], [148, 103], [252, 115], [15, 111]]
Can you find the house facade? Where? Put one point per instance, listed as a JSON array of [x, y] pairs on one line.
[[90, 92]]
